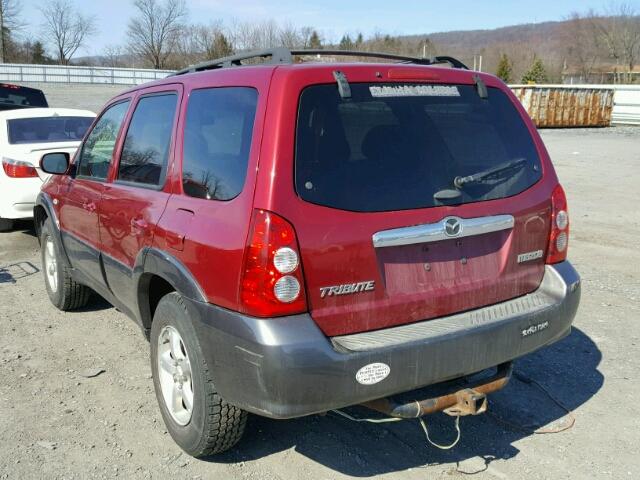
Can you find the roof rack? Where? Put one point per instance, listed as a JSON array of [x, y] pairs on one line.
[[276, 56]]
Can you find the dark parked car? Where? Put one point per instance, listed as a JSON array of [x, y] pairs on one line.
[[17, 96], [300, 237]]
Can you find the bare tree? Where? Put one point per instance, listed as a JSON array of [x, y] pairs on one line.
[[202, 42], [619, 32], [112, 56], [290, 36], [581, 43], [305, 36], [9, 23], [188, 45], [154, 32], [66, 28]]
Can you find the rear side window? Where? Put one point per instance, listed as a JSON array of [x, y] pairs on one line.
[[47, 129], [97, 150], [399, 147], [217, 141], [146, 147]]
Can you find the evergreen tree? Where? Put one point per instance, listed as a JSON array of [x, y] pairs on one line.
[[314, 41], [505, 69], [536, 73], [346, 43], [391, 44], [359, 40], [221, 46], [38, 54]]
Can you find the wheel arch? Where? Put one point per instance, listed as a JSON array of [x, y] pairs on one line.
[[40, 215], [43, 210], [157, 274]]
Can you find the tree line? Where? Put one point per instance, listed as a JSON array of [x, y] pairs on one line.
[[159, 35]]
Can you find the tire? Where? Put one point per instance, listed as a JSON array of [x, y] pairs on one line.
[[64, 292], [6, 224], [212, 425]]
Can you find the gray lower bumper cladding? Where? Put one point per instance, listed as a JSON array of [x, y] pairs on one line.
[[286, 367]]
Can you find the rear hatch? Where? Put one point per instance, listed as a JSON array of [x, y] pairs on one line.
[[421, 202]]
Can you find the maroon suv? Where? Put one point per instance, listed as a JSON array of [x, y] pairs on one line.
[[299, 237]]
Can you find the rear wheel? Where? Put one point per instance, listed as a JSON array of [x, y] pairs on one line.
[[64, 292], [198, 419], [6, 224]]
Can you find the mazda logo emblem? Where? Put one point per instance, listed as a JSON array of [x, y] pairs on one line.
[[452, 226]]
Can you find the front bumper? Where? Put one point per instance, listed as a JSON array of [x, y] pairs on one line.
[[286, 367]]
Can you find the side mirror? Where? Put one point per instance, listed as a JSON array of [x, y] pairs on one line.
[[55, 163]]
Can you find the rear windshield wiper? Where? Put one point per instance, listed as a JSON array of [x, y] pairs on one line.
[[517, 164]]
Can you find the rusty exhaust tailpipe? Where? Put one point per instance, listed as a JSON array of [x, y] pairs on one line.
[[468, 401]]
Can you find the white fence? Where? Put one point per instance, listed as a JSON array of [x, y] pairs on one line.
[[626, 100], [12, 72], [626, 104]]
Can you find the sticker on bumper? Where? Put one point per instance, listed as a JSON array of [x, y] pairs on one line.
[[373, 373]]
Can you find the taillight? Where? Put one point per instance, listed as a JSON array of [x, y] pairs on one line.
[[559, 236], [18, 169], [272, 281]]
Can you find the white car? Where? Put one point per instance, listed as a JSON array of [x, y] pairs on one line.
[[25, 135]]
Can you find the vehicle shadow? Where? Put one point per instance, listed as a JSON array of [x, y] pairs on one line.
[[96, 304], [568, 370]]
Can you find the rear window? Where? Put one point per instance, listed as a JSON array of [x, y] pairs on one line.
[[47, 129], [14, 96], [399, 147]]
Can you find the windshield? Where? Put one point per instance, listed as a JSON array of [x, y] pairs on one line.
[[15, 96], [47, 129], [400, 146]]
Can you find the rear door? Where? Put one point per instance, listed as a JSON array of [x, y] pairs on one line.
[[81, 192], [419, 201], [133, 202]]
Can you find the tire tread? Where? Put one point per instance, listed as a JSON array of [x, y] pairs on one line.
[[224, 423], [74, 294], [71, 295]]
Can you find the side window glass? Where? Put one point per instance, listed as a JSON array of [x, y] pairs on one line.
[[146, 146], [97, 150], [217, 140]]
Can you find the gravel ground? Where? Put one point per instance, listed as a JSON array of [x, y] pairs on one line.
[[59, 421]]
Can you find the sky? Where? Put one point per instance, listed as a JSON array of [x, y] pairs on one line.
[[333, 18]]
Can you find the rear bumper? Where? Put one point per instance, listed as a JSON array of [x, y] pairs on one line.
[[286, 367], [18, 197]]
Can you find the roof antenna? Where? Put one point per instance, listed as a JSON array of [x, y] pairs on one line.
[[343, 84], [481, 87]]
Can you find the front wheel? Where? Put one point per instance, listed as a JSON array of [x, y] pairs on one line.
[[198, 419], [64, 292]]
